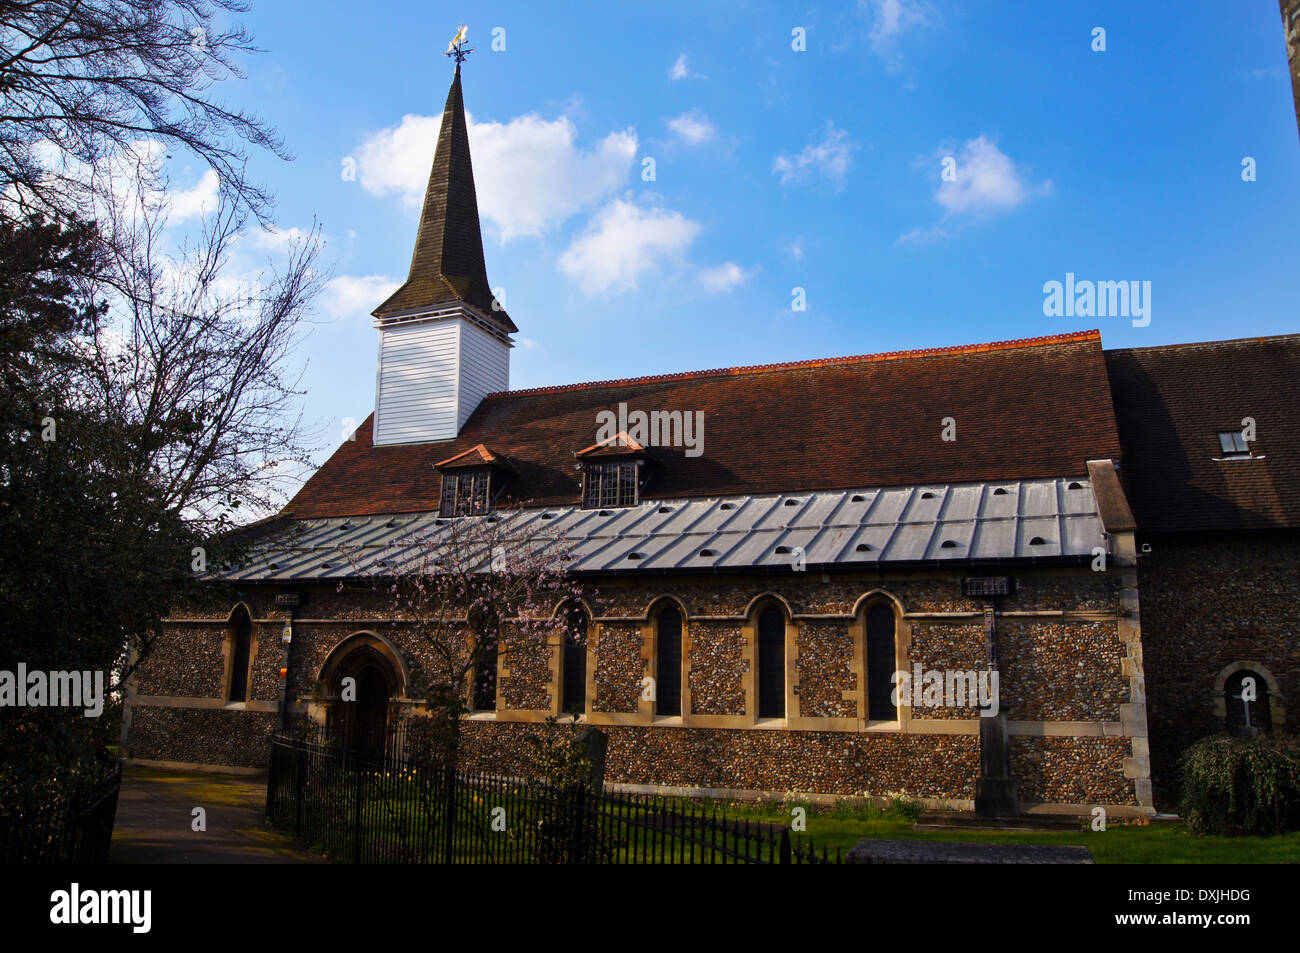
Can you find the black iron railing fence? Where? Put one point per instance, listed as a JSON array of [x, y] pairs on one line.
[[72, 828], [370, 807]]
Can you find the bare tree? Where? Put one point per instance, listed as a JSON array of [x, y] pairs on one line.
[[195, 362], [82, 79]]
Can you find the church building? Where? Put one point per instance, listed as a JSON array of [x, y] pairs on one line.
[[1033, 570]]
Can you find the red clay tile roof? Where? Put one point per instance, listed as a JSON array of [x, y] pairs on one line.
[[1171, 402], [476, 456], [1023, 409], [620, 445]]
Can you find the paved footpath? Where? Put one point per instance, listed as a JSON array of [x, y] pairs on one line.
[[155, 814]]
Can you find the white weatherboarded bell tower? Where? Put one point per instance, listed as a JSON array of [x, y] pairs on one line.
[[444, 341]]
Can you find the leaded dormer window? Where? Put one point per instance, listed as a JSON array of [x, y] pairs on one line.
[[466, 493], [609, 483], [613, 472], [471, 480]]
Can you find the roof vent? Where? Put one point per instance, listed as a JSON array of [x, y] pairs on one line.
[[1000, 491], [565, 557], [344, 526], [783, 550], [390, 524], [858, 498], [708, 552], [791, 502], [949, 544], [272, 566], [326, 566], [1075, 485], [862, 548], [665, 509], [494, 519], [1038, 541], [927, 495], [633, 555], [727, 506], [603, 513]]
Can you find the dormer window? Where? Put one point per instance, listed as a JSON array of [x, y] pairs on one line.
[[471, 480], [1233, 444], [466, 493], [612, 472], [609, 483]]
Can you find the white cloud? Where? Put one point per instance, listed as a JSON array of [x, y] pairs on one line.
[[829, 158], [724, 277], [681, 69], [622, 242], [922, 236], [195, 202], [986, 182], [277, 239], [354, 296], [127, 179], [796, 250], [692, 128], [529, 173], [889, 20]]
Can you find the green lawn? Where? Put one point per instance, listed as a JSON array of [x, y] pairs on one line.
[[1163, 843], [404, 817]]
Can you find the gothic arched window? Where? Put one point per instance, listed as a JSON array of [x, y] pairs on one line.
[[880, 664], [1246, 700], [771, 662], [241, 649], [573, 668], [668, 661]]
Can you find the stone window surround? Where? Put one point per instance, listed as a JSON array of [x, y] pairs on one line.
[[1277, 710], [228, 658], [645, 716], [650, 659], [902, 647], [555, 686], [855, 620]]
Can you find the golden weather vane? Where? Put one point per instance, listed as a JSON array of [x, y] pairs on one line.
[[457, 46]]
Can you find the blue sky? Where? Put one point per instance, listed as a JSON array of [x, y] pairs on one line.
[[778, 169]]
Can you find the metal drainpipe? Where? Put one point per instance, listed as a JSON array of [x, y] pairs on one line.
[[286, 667]]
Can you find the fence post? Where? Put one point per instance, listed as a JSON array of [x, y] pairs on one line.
[[356, 814], [450, 820], [270, 782], [300, 782], [577, 823], [785, 846]]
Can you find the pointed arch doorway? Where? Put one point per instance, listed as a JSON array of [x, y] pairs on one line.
[[363, 677]]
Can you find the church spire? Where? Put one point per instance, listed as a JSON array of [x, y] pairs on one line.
[[447, 266]]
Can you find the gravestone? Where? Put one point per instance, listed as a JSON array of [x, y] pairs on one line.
[[592, 742]]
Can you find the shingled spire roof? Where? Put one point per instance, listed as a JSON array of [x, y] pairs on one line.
[[447, 266]]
